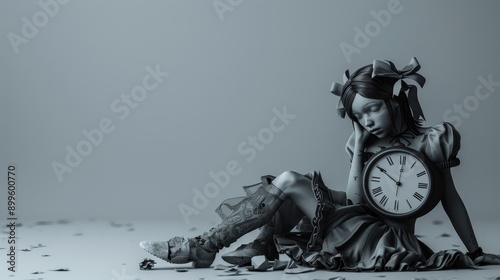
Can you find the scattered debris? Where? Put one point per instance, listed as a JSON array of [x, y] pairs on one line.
[[43, 223], [181, 269], [222, 267], [44, 256], [279, 265], [40, 245], [445, 235], [260, 263], [294, 268], [38, 272], [25, 250], [63, 222], [114, 224], [232, 271], [147, 264], [437, 222], [129, 226], [61, 269]]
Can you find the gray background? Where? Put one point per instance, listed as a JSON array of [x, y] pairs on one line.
[[227, 74]]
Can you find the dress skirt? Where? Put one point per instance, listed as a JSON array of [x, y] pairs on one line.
[[353, 238]]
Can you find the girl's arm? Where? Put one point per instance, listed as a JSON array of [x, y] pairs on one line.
[[354, 187], [354, 182], [457, 213], [455, 209]]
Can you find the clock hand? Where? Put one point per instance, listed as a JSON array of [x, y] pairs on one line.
[[400, 171], [385, 172], [398, 183]]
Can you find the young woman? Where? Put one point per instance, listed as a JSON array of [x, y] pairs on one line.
[[346, 233]]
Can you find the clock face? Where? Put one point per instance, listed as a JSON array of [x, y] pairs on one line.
[[397, 183]]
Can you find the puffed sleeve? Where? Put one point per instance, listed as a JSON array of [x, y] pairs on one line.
[[441, 145]]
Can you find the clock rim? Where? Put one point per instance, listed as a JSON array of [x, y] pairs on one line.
[[430, 201]]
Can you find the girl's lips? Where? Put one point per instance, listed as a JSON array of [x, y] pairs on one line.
[[375, 130]]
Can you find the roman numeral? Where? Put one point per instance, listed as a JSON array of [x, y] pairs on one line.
[[409, 204], [418, 196], [375, 179], [396, 205], [421, 173], [413, 165], [389, 159], [402, 160], [422, 185], [377, 191], [383, 201]]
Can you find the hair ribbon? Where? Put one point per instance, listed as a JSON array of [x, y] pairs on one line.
[[337, 89], [387, 69]]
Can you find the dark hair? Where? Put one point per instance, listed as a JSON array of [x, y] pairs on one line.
[[361, 82]]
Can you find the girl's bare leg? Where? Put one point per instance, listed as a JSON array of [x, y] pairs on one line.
[[297, 188]]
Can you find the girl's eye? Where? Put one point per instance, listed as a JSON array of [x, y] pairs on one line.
[[375, 108]]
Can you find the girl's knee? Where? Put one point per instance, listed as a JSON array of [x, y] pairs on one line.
[[289, 179]]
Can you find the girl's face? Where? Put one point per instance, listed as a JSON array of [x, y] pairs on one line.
[[373, 115]]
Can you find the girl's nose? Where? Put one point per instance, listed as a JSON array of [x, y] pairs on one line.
[[368, 121]]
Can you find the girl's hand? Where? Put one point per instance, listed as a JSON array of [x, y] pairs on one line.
[[487, 259], [361, 135]]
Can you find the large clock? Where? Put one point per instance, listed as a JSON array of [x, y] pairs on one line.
[[400, 183]]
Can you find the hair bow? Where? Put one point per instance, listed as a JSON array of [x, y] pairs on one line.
[[337, 89], [387, 69]]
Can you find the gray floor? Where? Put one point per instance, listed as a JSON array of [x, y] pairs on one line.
[[97, 249]]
